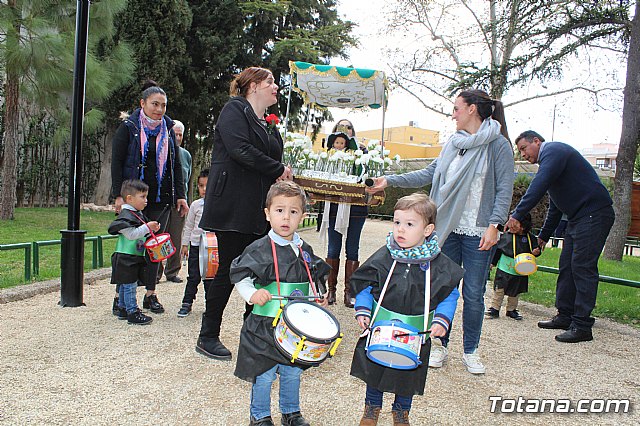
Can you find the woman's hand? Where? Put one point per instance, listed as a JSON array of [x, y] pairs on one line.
[[379, 184], [286, 175], [489, 238], [182, 207], [118, 204], [363, 321], [260, 297], [437, 330]]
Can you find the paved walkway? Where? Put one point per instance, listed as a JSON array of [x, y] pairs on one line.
[[82, 366]]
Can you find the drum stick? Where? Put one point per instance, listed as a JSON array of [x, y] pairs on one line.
[[295, 297], [412, 334]]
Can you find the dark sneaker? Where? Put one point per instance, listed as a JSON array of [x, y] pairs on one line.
[[294, 419], [115, 309], [213, 348], [139, 318], [493, 313], [174, 279], [265, 421], [184, 310], [122, 314], [151, 303], [515, 315]]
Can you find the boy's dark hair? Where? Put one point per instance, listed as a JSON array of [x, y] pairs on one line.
[[526, 223], [203, 173], [420, 203], [288, 189], [133, 187]]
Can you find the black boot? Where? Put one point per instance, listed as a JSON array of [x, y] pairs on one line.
[[209, 343]]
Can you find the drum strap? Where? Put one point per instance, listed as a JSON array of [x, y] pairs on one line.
[[514, 245], [275, 263], [427, 298]]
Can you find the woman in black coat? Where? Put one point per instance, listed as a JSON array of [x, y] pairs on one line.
[[246, 161], [144, 147]]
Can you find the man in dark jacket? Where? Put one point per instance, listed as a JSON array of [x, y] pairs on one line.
[[576, 191]]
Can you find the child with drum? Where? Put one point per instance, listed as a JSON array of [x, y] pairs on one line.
[[402, 281], [513, 269], [277, 265], [191, 235], [128, 262]]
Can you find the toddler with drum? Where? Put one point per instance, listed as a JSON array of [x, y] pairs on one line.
[[191, 234], [402, 281], [128, 262], [515, 262], [278, 265]]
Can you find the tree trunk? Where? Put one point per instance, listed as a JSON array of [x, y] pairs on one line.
[[629, 141], [9, 170], [103, 188]]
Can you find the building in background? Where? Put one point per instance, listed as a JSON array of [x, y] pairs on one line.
[[602, 155], [408, 141]]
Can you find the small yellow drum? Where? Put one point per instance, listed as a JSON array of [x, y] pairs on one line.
[[525, 264]]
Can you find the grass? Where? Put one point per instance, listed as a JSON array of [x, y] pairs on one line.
[[41, 224], [616, 302]]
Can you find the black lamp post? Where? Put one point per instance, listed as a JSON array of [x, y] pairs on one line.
[[72, 249]]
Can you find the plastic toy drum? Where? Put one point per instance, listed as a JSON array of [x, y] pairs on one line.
[[209, 258], [525, 264], [394, 344], [307, 333], [160, 247]]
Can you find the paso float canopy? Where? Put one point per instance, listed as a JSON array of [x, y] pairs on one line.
[[338, 87]]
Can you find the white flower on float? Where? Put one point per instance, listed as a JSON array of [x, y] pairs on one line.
[[306, 151], [387, 161], [288, 145], [386, 152], [358, 161], [358, 152], [374, 153], [365, 158], [324, 155], [397, 159]]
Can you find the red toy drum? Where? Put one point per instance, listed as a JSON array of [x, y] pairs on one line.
[[160, 247], [209, 259]]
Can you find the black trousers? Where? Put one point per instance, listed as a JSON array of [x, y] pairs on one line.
[[577, 286], [160, 213], [230, 245], [193, 279]]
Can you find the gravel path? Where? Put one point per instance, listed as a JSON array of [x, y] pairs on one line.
[[82, 366]]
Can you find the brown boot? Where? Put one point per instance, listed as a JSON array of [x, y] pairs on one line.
[[400, 416], [370, 416], [349, 267], [333, 279]]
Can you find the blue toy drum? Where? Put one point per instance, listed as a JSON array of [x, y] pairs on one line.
[[394, 344]]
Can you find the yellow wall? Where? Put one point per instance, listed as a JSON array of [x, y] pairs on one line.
[[407, 141]]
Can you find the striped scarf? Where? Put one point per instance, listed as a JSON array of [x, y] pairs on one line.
[[156, 128]]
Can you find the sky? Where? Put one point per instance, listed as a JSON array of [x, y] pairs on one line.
[[577, 121]]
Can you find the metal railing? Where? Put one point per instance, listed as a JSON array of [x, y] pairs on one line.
[[32, 253], [601, 278]]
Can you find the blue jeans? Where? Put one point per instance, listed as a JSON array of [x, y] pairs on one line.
[[463, 250], [352, 245], [289, 391], [127, 297], [374, 398]]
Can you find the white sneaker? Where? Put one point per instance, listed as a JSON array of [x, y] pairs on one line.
[[438, 356], [473, 363]]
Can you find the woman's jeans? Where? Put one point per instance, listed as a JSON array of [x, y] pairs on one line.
[[127, 297], [356, 222], [374, 398], [289, 391], [463, 250]]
